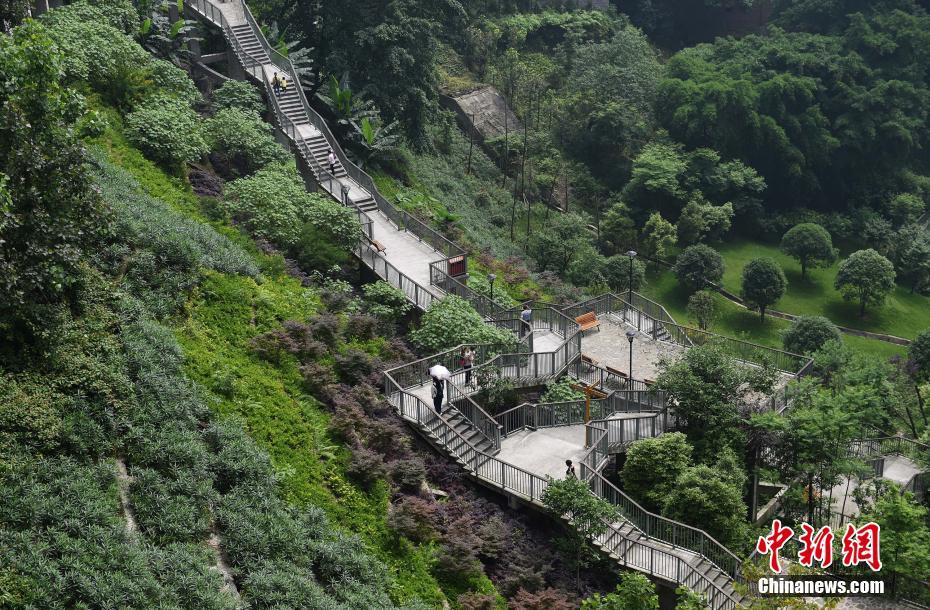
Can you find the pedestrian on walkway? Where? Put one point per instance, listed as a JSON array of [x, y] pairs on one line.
[[276, 84], [332, 162], [437, 391], [570, 470], [526, 319], [284, 83], [468, 361]]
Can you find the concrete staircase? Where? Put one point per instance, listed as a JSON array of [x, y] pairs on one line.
[[469, 435]]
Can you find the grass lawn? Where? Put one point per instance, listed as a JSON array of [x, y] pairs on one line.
[[903, 314], [734, 321]]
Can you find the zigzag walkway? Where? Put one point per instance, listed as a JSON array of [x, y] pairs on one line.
[[415, 258]]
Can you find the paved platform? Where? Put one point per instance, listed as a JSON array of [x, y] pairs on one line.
[[544, 451], [405, 251], [897, 468], [546, 341], [610, 347]]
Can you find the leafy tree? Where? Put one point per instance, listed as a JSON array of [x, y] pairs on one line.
[[389, 48], [697, 266], [274, 205], [763, 284], [708, 386], [810, 244], [807, 334], [452, 321], [812, 442], [241, 142], [167, 130], [656, 180], [97, 51], [609, 94], [704, 498], [904, 208], [555, 246], [590, 515], [699, 221], [911, 256], [586, 267], [866, 276], [918, 354], [616, 273], [238, 94], [634, 592], [617, 229], [653, 465], [905, 535], [703, 308], [49, 214], [659, 235]]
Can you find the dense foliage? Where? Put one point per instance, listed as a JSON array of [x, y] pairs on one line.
[[48, 211], [453, 321]]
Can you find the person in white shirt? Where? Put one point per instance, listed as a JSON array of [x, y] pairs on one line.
[[332, 161]]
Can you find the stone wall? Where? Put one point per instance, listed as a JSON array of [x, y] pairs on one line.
[[482, 111]]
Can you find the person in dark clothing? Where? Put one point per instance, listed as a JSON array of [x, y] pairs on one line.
[[276, 84], [437, 392], [526, 319], [570, 470]]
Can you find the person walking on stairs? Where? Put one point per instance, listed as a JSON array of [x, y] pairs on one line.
[[276, 84], [437, 391], [468, 361], [570, 470], [332, 162], [284, 83]]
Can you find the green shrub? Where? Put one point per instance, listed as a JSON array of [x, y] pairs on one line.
[[453, 321], [119, 14], [275, 206], [561, 391], [99, 54], [166, 130], [169, 79], [385, 302], [241, 142], [808, 334], [238, 94]]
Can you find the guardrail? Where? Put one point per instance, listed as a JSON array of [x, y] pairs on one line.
[[892, 445], [530, 487], [659, 527], [572, 412], [655, 316], [415, 293]]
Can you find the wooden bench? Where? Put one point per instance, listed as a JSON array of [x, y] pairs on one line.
[[588, 321], [377, 245], [588, 360], [616, 372]]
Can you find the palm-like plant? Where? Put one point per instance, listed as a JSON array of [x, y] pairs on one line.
[[300, 57], [377, 139], [168, 39]]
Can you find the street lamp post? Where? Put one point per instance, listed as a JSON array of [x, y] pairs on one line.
[[630, 333], [491, 278], [632, 255]]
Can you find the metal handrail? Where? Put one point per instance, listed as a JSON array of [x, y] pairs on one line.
[[530, 487], [673, 532], [365, 181], [788, 362]]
